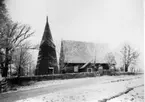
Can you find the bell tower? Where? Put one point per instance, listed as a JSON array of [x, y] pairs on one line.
[[47, 59]]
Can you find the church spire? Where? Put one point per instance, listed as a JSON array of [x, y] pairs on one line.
[[47, 37], [46, 19], [47, 54]]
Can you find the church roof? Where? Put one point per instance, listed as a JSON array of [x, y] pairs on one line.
[[83, 52]]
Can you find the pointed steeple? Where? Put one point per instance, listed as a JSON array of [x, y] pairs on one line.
[[47, 19], [47, 54], [47, 33]]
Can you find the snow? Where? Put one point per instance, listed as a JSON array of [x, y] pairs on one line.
[[136, 95], [95, 92], [42, 84], [104, 79]]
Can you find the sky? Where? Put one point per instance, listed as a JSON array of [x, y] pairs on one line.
[[101, 21]]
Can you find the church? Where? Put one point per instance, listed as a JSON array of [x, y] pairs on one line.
[[47, 59], [78, 56]]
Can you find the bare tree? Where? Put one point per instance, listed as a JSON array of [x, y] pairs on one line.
[[129, 56], [12, 36], [110, 59], [3, 20], [22, 59]]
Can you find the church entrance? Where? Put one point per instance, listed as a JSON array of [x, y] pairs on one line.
[[51, 70]]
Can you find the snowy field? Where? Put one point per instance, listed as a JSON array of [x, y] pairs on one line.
[[107, 87]]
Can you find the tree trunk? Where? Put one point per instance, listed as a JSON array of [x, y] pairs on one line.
[[126, 68], [10, 70], [19, 71], [5, 70], [2, 67]]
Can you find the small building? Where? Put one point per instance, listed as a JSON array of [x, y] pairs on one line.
[[77, 56]]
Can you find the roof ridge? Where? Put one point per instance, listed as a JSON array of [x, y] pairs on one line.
[[84, 42]]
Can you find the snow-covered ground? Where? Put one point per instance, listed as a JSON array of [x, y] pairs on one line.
[[104, 79], [136, 95], [107, 87]]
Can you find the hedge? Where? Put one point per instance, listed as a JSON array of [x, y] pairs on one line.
[[16, 80]]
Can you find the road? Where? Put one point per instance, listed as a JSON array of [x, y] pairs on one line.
[[75, 83]]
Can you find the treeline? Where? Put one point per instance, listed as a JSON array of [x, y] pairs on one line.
[[14, 44]]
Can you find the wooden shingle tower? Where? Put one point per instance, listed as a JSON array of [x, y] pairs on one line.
[[47, 59]]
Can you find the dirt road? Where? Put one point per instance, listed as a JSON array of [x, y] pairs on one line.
[[77, 85]]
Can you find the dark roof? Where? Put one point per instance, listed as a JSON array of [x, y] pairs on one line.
[[83, 52], [47, 37]]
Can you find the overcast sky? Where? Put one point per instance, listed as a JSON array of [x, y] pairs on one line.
[[102, 21]]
